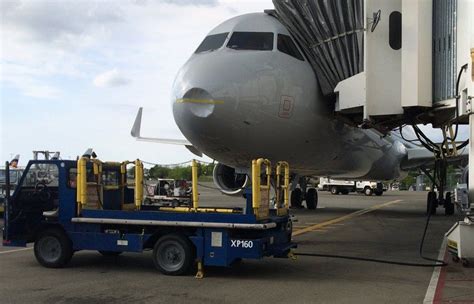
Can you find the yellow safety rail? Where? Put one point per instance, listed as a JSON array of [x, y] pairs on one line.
[[282, 209], [194, 185], [81, 194], [261, 193]]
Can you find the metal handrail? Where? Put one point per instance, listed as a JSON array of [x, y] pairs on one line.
[[81, 191], [257, 187], [282, 165]]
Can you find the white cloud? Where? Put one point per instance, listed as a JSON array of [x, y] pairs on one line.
[[111, 78], [56, 49]]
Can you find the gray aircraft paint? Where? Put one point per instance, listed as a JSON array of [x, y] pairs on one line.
[[230, 104]]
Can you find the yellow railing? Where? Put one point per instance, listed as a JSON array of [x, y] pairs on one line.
[[282, 201], [261, 193], [81, 191]]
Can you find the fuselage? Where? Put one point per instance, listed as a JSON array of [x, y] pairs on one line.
[[248, 92]]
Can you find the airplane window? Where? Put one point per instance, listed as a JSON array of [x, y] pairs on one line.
[[257, 41], [286, 45], [212, 42]]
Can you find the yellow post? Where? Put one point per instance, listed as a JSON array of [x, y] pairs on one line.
[[81, 186], [282, 210], [138, 184], [256, 184], [194, 178]]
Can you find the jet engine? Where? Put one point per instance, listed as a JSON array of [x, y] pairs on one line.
[[228, 181]]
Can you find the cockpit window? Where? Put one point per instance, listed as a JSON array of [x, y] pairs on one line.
[[257, 41], [212, 42], [286, 45]]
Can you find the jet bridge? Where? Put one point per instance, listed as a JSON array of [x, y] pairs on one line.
[[387, 64]]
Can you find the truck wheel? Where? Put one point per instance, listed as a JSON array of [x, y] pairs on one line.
[[368, 191], [378, 192], [53, 248], [110, 253], [296, 198], [334, 190], [312, 199], [173, 254], [448, 205]]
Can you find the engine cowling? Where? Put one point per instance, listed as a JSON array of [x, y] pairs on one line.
[[228, 181]]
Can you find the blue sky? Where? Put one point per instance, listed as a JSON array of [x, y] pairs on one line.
[[73, 73]]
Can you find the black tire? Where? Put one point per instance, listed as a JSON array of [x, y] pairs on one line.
[[53, 248], [334, 190], [431, 203], [110, 253], [368, 191], [344, 192], [296, 198], [448, 205], [173, 254], [312, 199], [378, 192]]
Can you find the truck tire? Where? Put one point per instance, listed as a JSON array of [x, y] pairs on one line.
[[334, 190], [312, 199], [173, 254], [368, 191], [448, 205], [53, 248], [296, 198]]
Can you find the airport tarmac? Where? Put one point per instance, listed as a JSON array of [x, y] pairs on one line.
[[387, 227]]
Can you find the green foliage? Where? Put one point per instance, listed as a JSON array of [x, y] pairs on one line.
[[180, 172]]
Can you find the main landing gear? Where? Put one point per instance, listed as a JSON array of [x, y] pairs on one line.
[[298, 195], [434, 202]]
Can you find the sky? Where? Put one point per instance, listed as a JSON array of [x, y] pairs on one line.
[[74, 73]]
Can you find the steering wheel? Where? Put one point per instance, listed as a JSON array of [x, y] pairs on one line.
[[43, 192]]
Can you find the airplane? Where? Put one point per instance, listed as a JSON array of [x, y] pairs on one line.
[[248, 91]]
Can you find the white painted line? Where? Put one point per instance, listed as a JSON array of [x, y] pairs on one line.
[[431, 291], [15, 250]]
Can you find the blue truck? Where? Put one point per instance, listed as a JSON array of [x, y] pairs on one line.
[[65, 206]]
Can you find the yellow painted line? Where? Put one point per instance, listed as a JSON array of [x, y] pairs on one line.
[[16, 250], [343, 218], [201, 101]]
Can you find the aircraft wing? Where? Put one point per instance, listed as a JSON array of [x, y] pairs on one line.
[[419, 156], [135, 132]]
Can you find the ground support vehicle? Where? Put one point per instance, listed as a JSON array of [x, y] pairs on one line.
[[344, 187], [91, 206], [167, 192]]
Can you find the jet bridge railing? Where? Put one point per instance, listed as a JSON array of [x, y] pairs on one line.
[[261, 193]]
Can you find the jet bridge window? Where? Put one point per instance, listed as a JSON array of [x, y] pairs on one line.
[[212, 43], [286, 45], [257, 41]]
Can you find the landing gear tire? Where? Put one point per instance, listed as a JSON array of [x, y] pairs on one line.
[[110, 253], [368, 191], [173, 254], [312, 199], [431, 203], [296, 198], [448, 205], [53, 248], [334, 190], [378, 192]]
